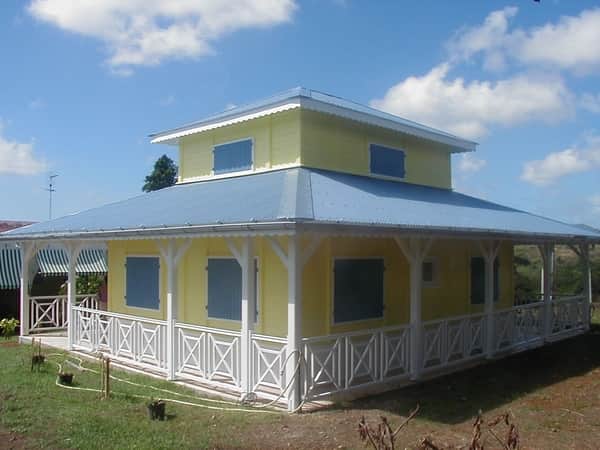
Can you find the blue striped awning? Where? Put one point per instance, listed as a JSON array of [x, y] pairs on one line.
[[50, 261], [10, 268], [54, 261]]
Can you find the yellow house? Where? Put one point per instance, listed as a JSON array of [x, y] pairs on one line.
[[312, 248]]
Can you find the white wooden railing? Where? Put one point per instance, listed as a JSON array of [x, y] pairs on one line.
[[208, 354], [346, 361], [330, 364], [127, 338], [268, 359], [453, 340], [50, 312]]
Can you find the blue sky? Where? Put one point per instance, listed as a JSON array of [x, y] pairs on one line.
[[84, 83]]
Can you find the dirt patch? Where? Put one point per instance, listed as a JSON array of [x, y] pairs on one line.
[[12, 441], [9, 344]]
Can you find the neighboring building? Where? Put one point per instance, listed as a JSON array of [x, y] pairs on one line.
[[47, 272], [341, 222]]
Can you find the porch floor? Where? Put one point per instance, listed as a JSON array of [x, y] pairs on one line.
[[57, 339]]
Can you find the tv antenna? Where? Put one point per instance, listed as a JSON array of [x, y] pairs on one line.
[[50, 190]]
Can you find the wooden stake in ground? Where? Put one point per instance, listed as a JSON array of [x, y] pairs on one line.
[[107, 380]]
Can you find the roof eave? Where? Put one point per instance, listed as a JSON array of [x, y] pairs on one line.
[[171, 137]]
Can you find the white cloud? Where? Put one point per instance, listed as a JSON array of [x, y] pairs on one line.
[[470, 108], [570, 43], [555, 165], [489, 38], [36, 103], [147, 32], [18, 158], [590, 102], [468, 163], [168, 100], [594, 201]]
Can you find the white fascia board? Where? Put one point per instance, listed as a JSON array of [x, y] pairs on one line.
[[172, 137]]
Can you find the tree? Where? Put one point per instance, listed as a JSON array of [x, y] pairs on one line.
[[163, 175]]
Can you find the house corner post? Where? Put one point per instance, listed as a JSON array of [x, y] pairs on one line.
[[73, 251], [294, 313], [547, 251], [248, 309], [27, 250]]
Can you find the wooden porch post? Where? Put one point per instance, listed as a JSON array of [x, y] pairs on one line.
[[415, 251], [294, 260], [73, 250], [294, 318], [547, 252], [489, 250], [245, 258], [27, 250], [172, 253]]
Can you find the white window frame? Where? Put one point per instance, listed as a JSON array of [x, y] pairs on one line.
[[386, 177], [236, 172], [435, 267], [332, 293], [258, 293], [160, 287]]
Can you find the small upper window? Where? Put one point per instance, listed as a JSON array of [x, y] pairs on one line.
[[386, 161], [232, 156]]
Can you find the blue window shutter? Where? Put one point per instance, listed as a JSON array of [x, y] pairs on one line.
[[477, 281], [358, 289], [142, 282], [224, 289], [386, 161], [233, 156]]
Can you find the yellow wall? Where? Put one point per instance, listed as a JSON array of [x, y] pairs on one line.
[[451, 296], [315, 140], [332, 143], [276, 144]]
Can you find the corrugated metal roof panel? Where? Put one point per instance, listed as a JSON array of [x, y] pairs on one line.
[[300, 195]]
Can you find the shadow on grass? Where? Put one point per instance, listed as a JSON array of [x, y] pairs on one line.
[[458, 397]]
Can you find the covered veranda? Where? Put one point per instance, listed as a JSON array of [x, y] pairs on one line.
[[297, 368]]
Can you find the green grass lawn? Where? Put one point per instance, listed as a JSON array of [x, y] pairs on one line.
[[553, 393], [52, 417]]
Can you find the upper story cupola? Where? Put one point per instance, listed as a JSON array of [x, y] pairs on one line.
[[303, 127]]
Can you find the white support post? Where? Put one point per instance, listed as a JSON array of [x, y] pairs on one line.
[[547, 253], [27, 252], [245, 258], [172, 253], [294, 260], [415, 250], [73, 251], [294, 266], [489, 250], [248, 308]]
